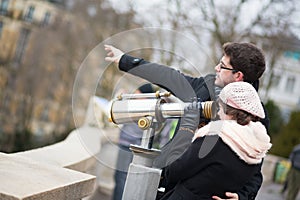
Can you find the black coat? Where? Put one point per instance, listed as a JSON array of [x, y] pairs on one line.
[[208, 167]]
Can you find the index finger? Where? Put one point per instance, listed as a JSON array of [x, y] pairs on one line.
[[107, 47], [216, 198]]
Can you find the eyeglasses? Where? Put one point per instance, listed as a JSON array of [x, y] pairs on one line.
[[233, 70]]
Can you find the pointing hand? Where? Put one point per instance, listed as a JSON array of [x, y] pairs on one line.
[[113, 54]]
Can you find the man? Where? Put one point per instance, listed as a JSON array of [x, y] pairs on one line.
[[240, 62], [293, 184]]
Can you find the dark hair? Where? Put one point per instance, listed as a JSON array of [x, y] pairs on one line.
[[146, 88], [246, 58], [242, 117]]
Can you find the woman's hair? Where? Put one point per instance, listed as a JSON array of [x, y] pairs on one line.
[[242, 117]]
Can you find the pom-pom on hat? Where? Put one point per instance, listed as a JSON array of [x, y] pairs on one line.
[[243, 96]]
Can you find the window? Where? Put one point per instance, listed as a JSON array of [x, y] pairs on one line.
[[46, 18], [290, 84], [45, 114], [29, 14], [1, 28], [275, 80], [4, 6], [22, 42]]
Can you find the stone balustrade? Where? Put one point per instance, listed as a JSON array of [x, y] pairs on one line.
[[57, 171], [49, 172], [76, 152]]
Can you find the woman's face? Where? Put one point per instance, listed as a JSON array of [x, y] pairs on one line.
[[222, 114]]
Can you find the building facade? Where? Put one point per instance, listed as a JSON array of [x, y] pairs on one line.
[[19, 20], [285, 82]]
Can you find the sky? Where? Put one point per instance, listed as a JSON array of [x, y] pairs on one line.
[[250, 10]]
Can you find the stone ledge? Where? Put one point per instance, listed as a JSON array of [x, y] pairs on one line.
[[41, 173], [24, 178], [76, 152]]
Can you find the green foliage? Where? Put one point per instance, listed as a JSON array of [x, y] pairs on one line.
[[284, 142], [26, 140], [276, 120], [22, 141]]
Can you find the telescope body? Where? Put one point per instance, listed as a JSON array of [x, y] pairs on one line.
[[131, 110]]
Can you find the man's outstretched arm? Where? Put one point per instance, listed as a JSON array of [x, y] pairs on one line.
[[167, 78]]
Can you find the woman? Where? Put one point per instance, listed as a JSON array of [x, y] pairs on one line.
[[224, 154]]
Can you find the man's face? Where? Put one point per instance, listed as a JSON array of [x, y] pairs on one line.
[[225, 73]]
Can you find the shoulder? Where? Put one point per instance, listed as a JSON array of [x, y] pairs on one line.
[[204, 87], [207, 145], [210, 78]]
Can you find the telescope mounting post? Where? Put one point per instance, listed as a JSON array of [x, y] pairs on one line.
[[142, 179], [148, 134]]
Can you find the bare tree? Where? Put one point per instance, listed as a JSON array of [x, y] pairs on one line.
[[43, 84], [214, 23]]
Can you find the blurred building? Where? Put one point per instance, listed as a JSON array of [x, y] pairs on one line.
[[43, 43], [19, 19], [284, 87]]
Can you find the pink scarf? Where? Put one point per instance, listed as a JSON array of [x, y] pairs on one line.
[[250, 142]]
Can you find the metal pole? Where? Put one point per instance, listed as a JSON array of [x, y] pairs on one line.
[[142, 179]]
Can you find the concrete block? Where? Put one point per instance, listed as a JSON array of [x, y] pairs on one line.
[[76, 152], [24, 178]]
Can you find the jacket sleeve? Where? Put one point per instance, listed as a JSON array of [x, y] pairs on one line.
[[182, 86], [188, 164], [266, 120], [250, 189]]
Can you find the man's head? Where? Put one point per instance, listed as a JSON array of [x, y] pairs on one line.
[[240, 62]]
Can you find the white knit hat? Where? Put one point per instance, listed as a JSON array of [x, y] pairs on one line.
[[243, 96]]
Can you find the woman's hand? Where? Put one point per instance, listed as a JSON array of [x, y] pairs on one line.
[[231, 196], [113, 54]]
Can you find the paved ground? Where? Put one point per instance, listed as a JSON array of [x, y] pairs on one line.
[[272, 192], [267, 192], [100, 196]]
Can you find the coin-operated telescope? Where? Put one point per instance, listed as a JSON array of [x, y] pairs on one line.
[[148, 110]]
